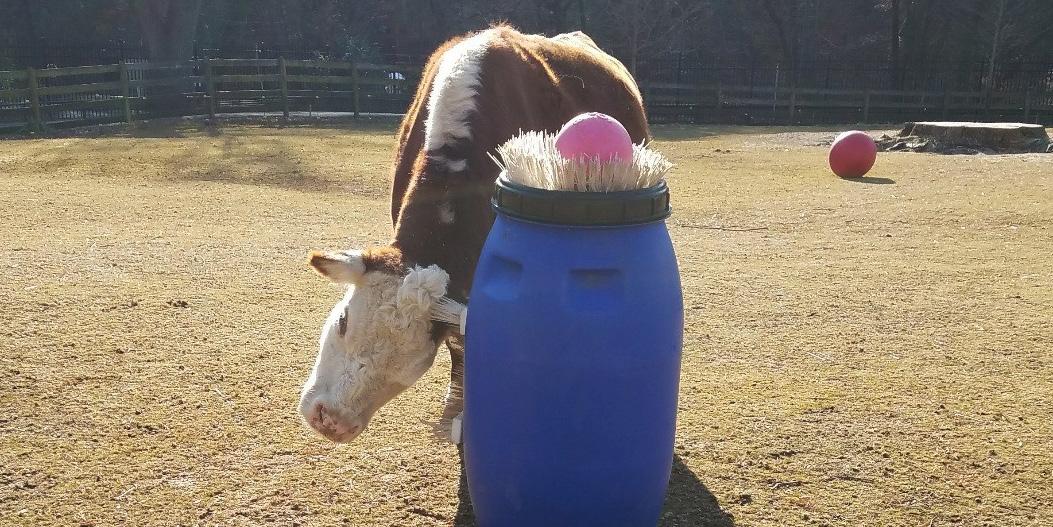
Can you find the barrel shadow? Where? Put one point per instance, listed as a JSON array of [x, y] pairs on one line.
[[465, 515], [687, 502]]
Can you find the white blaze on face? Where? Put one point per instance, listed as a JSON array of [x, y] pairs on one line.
[[376, 342]]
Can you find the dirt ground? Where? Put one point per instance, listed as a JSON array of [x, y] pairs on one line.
[[872, 352]]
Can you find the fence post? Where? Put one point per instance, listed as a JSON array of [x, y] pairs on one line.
[[720, 102], [125, 91], [866, 106], [775, 95], [354, 88], [676, 92], [34, 101], [1027, 105], [700, 103], [210, 87], [793, 103], [284, 85]]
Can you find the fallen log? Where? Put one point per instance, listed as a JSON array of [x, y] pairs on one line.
[[968, 138]]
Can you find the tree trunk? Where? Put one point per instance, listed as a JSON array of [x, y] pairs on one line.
[[634, 45], [169, 28], [995, 39], [969, 137], [36, 58], [894, 38], [788, 34]]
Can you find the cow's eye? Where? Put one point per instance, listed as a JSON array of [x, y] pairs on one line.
[[342, 324]]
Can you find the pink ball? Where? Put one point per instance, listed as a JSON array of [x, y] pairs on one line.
[[852, 154], [594, 135]]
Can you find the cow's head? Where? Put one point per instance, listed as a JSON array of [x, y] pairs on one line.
[[377, 341]]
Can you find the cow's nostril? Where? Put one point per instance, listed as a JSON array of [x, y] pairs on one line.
[[330, 424], [318, 414]]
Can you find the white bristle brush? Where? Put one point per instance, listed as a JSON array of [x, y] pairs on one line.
[[532, 159], [450, 311]]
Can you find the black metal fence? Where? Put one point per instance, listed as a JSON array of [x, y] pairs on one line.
[[682, 88], [861, 75]]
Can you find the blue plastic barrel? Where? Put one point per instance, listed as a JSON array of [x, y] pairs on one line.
[[572, 363]]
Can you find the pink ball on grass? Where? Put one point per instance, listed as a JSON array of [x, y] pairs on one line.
[[594, 135], [852, 154]]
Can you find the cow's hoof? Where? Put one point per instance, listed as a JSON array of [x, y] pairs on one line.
[[456, 425]]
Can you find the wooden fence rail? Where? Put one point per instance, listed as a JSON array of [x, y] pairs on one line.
[[36, 99]]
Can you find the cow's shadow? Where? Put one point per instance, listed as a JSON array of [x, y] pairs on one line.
[[687, 502]]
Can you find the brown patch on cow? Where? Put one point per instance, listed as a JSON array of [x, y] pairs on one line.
[[384, 259]]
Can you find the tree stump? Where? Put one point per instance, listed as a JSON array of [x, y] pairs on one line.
[[969, 138]]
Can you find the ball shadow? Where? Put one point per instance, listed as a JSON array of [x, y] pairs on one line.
[[872, 180], [687, 502]]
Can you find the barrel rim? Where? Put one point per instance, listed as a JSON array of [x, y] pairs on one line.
[[586, 209]]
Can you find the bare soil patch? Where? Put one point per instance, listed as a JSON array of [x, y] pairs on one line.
[[855, 353]]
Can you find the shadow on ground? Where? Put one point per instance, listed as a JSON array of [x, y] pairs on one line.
[[873, 180], [687, 502], [202, 126]]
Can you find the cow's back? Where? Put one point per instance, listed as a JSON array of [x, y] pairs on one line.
[[475, 94]]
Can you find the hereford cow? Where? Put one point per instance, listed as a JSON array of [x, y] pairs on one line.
[[476, 92]]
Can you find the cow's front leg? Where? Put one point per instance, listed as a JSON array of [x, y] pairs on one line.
[[455, 392], [454, 404]]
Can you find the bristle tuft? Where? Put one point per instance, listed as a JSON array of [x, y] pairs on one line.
[[531, 159], [447, 311]]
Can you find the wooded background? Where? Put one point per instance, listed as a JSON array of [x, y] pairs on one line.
[[993, 53]]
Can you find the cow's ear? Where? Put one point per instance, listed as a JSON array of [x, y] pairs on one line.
[[345, 267], [422, 287]]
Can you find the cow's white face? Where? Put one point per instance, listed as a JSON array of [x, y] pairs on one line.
[[377, 341]]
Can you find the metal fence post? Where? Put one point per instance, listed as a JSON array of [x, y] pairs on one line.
[[354, 88], [676, 92], [284, 86], [35, 123], [866, 106], [1027, 105], [210, 86], [125, 103], [720, 101]]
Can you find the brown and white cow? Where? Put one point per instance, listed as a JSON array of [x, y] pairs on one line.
[[476, 92]]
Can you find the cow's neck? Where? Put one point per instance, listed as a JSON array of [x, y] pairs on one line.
[[445, 222]]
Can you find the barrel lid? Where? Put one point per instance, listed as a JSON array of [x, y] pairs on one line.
[[562, 207]]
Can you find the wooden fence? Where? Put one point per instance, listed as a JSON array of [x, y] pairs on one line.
[[35, 99]]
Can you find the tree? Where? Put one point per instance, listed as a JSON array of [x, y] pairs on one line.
[[643, 30], [168, 27]]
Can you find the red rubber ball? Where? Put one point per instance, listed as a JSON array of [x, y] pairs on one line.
[[852, 154]]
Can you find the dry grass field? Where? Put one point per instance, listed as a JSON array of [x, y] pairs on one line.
[[874, 352]]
